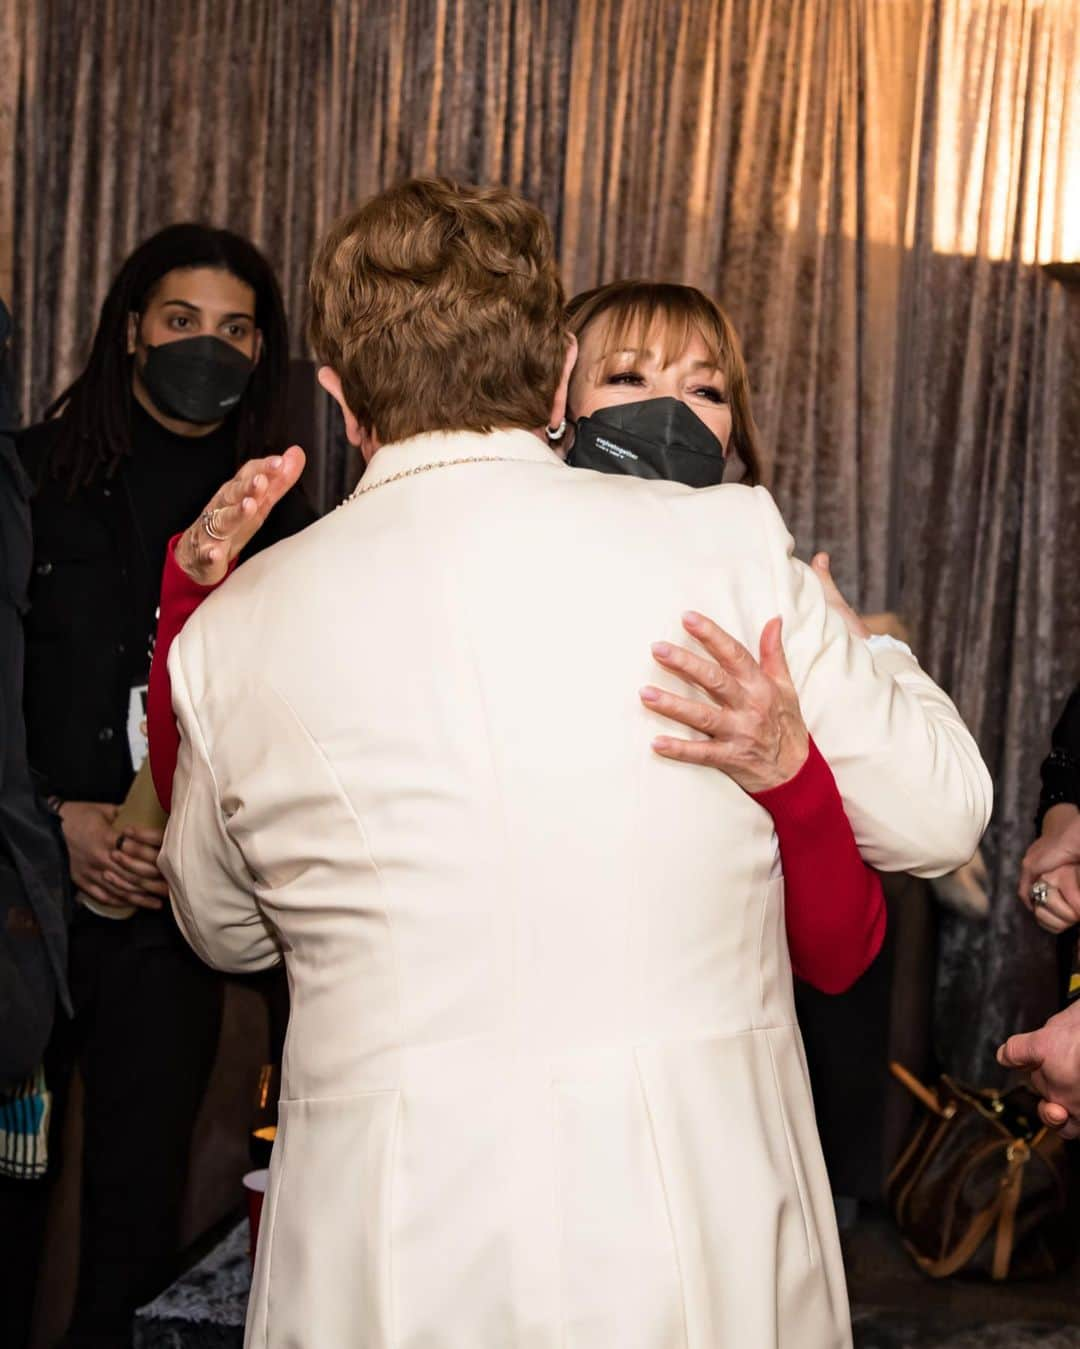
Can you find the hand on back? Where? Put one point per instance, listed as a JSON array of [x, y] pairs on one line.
[[751, 716]]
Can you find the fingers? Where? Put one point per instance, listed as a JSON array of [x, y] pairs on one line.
[[706, 753], [99, 893], [287, 473], [143, 894], [1045, 854], [724, 686], [136, 865], [699, 716], [731, 654], [772, 659], [1021, 1051], [1053, 1115], [732, 674], [1031, 868], [1066, 882], [1054, 914], [141, 833], [820, 565], [238, 510], [264, 480]]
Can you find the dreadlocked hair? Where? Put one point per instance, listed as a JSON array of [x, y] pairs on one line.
[[94, 411]]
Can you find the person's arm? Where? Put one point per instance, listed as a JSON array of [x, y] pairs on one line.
[[834, 909], [911, 778], [1059, 799], [181, 595], [196, 563], [200, 860]]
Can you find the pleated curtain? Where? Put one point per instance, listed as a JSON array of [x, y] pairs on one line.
[[870, 187]]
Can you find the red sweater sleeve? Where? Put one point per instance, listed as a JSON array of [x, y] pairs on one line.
[[834, 908], [180, 597]]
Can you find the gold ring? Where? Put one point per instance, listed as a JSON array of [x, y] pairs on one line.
[[209, 521]]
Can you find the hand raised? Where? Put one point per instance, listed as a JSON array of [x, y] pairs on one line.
[[236, 512]]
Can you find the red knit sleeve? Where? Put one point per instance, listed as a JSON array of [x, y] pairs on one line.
[[180, 597], [834, 907]]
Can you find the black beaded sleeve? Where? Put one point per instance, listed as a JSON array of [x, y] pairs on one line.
[[1060, 770]]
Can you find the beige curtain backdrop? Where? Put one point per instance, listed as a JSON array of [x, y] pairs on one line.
[[868, 185]]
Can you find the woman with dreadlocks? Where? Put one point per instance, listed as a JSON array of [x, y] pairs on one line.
[[185, 380]]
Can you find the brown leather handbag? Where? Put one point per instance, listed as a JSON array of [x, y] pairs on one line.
[[981, 1188]]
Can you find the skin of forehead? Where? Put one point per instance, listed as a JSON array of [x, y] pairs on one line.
[[647, 349], [188, 285]]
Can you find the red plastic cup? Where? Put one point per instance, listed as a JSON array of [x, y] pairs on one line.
[[255, 1189]]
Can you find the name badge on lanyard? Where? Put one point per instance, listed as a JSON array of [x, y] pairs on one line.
[[138, 742]]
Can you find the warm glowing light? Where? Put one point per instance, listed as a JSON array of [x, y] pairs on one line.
[[1007, 151]]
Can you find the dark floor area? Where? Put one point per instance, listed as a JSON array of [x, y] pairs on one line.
[[896, 1307]]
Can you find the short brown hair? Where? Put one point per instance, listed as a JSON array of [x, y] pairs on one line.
[[440, 307], [676, 312]]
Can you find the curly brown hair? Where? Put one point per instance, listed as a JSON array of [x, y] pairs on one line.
[[439, 306], [634, 308]]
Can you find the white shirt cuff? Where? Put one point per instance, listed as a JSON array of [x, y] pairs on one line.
[[880, 641]]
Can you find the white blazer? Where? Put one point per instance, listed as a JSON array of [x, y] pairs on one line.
[[543, 1085]]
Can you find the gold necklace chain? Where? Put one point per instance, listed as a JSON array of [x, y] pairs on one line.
[[424, 468]]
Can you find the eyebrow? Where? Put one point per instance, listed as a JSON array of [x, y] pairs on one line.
[[649, 354], [194, 309]]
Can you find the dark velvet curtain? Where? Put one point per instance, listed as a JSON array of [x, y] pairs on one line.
[[869, 186]]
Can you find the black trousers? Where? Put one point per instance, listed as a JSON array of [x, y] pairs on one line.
[[145, 1032]]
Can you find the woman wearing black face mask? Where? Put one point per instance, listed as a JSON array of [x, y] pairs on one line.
[[185, 380], [660, 390]]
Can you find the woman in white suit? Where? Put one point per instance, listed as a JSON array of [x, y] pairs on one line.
[[542, 1084]]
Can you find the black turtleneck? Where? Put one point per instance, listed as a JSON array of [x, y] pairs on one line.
[[170, 478]]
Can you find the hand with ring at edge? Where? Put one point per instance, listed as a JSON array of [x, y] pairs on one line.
[[1054, 899], [235, 514], [1050, 877]]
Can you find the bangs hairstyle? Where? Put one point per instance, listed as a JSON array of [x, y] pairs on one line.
[[94, 431], [439, 307], [671, 315]]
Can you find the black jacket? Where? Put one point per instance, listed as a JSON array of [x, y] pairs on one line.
[[92, 606], [1060, 770], [34, 898], [86, 632]]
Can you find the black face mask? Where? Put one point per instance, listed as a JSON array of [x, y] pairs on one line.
[[196, 379], [656, 438]]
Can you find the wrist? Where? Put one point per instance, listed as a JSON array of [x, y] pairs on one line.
[[803, 799], [1059, 818], [184, 556]]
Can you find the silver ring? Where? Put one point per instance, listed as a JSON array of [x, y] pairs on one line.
[[209, 523], [1040, 894]]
